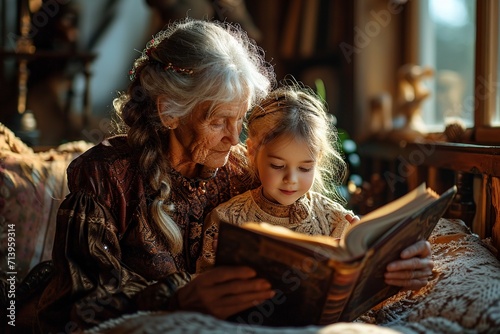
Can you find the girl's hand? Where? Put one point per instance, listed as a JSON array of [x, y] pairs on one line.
[[224, 291], [414, 269], [351, 218]]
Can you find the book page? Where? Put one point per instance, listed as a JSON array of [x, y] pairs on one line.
[[360, 235], [370, 227], [329, 244], [371, 287]]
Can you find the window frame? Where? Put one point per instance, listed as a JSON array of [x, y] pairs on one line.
[[485, 67]]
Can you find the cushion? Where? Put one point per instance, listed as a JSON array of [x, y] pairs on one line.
[[32, 185]]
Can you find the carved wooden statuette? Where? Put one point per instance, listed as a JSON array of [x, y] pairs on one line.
[[411, 94]]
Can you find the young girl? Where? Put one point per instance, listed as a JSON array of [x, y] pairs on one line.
[[291, 151]]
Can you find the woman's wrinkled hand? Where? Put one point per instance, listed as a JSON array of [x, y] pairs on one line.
[[224, 291], [414, 269]]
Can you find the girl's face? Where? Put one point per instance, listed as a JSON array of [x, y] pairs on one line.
[[206, 140], [286, 169]]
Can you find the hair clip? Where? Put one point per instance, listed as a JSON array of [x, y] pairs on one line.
[[131, 74], [150, 46], [178, 69]]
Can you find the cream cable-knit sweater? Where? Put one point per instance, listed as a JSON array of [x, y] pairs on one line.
[[312, 214]]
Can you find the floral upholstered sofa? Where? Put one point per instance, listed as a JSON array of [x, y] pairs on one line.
[[32, 185]]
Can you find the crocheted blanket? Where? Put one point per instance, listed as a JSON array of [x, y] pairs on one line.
[[462, 297]]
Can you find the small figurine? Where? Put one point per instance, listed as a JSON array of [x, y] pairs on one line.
[[412, 92]]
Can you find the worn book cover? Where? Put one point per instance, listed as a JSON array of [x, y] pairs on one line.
[[317, 281]]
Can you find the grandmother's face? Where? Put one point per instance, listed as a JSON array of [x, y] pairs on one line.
[[206, 139]]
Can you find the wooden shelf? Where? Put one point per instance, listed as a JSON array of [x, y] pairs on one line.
[[474, 159], [45, 54], [475, 169]]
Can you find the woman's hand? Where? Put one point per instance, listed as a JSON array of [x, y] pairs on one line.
[[414, 269], [224, 291]]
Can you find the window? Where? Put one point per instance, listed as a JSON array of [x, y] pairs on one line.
[[447, 43], [459, 40]]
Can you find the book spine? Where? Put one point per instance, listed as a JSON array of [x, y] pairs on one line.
[[309, 28], [343, 281], [291, 30]]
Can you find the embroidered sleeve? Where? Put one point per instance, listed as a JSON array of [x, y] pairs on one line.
[[235, 211], [91, 284]]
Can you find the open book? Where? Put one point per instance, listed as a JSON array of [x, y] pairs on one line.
[[320, 280]]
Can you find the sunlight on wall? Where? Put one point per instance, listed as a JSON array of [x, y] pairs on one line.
[[127, 30]]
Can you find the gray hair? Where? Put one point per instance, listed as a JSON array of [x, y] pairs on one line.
[[194, 61], [188, 63]]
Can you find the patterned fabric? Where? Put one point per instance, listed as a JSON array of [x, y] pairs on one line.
[[312, 214], [32, 185], [10, 143], [107, 251], [190, 322], [463, 295]]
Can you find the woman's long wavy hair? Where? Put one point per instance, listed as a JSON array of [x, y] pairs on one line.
[[188, 63]]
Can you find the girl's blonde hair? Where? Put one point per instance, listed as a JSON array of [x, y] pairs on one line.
[[295, 110], [188, 63]]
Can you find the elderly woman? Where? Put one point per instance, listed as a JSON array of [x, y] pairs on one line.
[[128, 234]]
